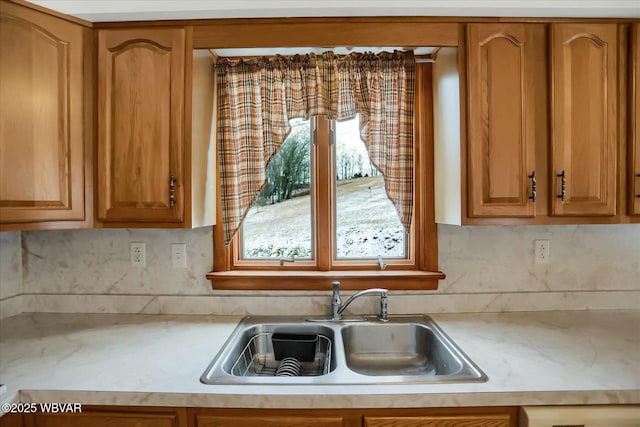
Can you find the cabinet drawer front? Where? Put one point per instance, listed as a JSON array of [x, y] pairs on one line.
[[106, 419], [267, 421], [440, 421]]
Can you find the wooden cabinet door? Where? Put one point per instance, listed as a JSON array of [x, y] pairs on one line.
[[584, 74], [141, 81], [268, 421], [506, 80], [11, 420], [42, 147], [204, 417], [111, 417], [634, 119], [440, 421]]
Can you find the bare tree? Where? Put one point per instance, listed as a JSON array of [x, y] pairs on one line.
[[289, 170]]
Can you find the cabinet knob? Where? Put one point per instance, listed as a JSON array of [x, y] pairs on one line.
[[563, 186], [172, 191], [533, 194]]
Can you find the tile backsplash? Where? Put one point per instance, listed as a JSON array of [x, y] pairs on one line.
[[489, 268], [10, 273], [98, 261], [500, 259]]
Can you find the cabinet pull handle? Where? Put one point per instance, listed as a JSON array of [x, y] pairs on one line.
[[563, 186], [172, 191], [533, 194], [638, 176]]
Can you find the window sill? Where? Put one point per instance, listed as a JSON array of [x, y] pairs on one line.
[[321, 280]]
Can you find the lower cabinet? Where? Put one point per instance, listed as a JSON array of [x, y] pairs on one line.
[[431, 417], [136, 416], [271, 418], [11, 420], [440, 421], [110, 416]]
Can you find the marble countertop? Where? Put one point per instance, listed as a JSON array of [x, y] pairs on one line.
[[531, 358]]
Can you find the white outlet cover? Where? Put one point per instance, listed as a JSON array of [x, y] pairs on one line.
[[179, 255], [138, 255], [541, 251]]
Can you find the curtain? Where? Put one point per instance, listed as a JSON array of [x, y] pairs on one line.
[[258, 97]]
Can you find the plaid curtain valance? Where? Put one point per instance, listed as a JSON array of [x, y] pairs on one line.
[[256, 99]]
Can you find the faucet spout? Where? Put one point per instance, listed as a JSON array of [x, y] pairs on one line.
[[384, 295]]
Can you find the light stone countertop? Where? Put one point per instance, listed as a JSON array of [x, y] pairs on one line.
[[531, 358]]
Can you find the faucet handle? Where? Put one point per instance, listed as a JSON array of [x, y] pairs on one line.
[[336, 302], [384, 310]]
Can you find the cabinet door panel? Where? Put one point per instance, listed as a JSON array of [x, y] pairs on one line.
[[506, 86], [584, 134], [634, 119], [141, 90], [268, 421], [440, 421], [123, 417], [41, 118], [11, 420]]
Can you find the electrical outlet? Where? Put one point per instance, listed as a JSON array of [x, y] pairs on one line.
[[541, 251], [138, 255], [179, 255]]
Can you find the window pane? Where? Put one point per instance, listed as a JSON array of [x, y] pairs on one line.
[[367, 225], [279, 222]]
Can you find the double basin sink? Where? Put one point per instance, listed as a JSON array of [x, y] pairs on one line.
[[405, 349]]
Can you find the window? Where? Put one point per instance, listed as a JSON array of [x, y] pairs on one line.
[[366, 223], [323, 215], [280, 224]]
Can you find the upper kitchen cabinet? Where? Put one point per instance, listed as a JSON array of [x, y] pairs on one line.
[[45, 121], [542, 115], [141, 127], [584, 108], [634, 119], [506, 86]]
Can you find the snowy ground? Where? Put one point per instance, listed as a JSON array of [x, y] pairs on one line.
[[367, 224]]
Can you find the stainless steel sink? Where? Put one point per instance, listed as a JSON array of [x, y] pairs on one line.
[[407, 349]]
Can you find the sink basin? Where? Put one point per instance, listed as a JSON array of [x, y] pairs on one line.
[[397, 349], [249, 355], [406, 349]]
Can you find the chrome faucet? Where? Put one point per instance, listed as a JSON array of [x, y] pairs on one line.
[[337, 307]]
